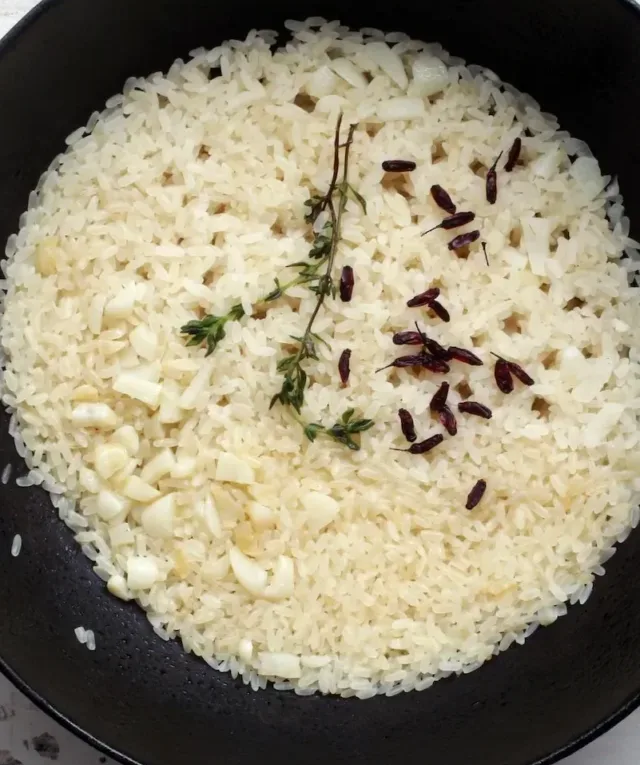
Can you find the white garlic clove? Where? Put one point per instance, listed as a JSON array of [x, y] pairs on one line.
[[248, 573]]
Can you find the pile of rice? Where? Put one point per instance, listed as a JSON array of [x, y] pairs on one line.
[[353, 573]]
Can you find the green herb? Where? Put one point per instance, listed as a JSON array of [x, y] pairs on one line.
[[343, 431], [210, 330], [317, 274]]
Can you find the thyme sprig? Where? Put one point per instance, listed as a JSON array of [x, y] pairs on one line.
[[343, 431], [324, 212], [323, 284]]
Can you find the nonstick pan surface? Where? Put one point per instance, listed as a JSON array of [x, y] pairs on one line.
[[145, 701]]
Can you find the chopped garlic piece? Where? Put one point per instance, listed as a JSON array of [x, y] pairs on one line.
[[109, 458], [139, 490], [144, 342], [159, 466], [142, 572], [109, 505], [158, 520], [207, 512], [248, 573], [121, 305], [283, 579], [185, 467], [284, 665], [96, 312], [200, 382], [127, 436], [261, 516], [94, 416], [135, 386], [321, 510], [117, 586], [430, 75], [245, 649], [89, 480], [170, 410], [122, 475], [233, 469]]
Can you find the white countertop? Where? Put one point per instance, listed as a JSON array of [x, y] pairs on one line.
[[27, 735]]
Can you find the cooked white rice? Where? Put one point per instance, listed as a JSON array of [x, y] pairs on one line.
[[188, 193], [16, 545]]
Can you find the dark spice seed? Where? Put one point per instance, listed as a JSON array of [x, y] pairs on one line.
[[476, 494], [440, 311], [448, 420], [442, 199], [405, 361], [465, 356], [398, 166], [492, 186], [424, 298], [406, 423], [514, 369], [346, 284], [473, 407], [344, 366], [502, 373], [492, 182], [433, 346], [517, 371], [435, 365], [484, 249], [439, 400], [462, 240], [435, 349], [514, 155], [407, 338], [453, 221], [424, 446]]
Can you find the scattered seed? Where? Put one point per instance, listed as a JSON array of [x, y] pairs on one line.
[[406, 423], [465, 356], [462, 240], [442, 199], [435, 365], [424, 446], [439, 400], [517, 371], [453, 221], [398, 165], [433, 346], [440, 311], [448, 420], [513, 369], [405, 361], [484, 249], [344, 365], [514, 155], [346, 284], [407, 338], [492, 183], [476, 494], [424, 298], [502, 373], [473, 407]]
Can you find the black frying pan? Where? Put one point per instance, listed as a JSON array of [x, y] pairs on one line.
[[145, 701]]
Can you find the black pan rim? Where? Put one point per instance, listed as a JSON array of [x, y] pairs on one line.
[[616, 716]]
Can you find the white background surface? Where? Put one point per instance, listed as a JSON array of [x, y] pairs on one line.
[[20, 722]]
